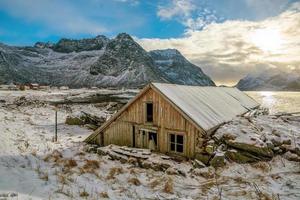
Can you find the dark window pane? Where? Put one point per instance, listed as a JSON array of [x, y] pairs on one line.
[[149, 111], [180, 139], [179, 148], [172, 138], [172, 147]]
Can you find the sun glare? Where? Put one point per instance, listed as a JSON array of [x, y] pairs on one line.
[[268, 40]]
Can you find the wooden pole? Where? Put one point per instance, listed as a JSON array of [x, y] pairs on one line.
[[55, 137]]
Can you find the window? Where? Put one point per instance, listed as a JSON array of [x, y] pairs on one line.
[[149, 112], [176, 143]]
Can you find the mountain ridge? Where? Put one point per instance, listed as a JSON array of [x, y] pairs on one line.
[[98, 61]]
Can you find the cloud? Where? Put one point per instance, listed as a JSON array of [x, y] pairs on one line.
[[228, 51], [54, 14], [194, 15], [177, 8]]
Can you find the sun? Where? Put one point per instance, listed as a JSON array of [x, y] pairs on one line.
[[268, 40]]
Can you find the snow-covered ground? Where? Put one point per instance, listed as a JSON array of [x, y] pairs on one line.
[[34, 167]]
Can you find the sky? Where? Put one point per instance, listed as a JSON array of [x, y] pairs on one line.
[[227, 38]]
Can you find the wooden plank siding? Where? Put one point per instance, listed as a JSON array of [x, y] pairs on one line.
[[166, 119]]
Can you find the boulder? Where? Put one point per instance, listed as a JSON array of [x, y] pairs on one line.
[[218, 160], [198, 164], [291, 156], [74, 121], [240, 157], [204, 158], [259, 151]]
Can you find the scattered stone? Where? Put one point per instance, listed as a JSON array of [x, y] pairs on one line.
[[240, 157], [172, 171], [101, 151], [198, 164], [203, 157], [165, 157], [207, 172], [218, 160], [260, 151], [74, 121], [291, 156]]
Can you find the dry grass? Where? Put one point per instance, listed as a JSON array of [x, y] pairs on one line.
[[134, 181], [64, 179], [91, 164], [155, 183], [103, 195], [113, 172], [44, 176], [55, 156], [169, 186], [84, 193], [70, 163], [263, 166]]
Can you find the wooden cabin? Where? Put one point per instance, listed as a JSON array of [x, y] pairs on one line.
[[172, 119], [34, 86]]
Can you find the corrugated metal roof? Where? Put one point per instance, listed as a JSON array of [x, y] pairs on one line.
[[208, 106]]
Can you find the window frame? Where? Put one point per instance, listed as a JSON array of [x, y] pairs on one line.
[[146, 112], [176, 143]]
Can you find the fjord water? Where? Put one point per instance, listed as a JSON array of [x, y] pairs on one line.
[[278, 101]]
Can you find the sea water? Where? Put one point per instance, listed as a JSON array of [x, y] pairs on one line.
[[278, 101]]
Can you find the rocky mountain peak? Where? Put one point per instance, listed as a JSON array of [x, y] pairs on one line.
[[124, 36]]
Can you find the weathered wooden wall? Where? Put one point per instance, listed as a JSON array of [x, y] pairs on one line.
[[166, 119]]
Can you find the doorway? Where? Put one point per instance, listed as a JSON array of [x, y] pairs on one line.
[[148, 139]]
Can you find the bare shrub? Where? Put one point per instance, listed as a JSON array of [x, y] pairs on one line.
[[113, 172], [134, 181], [84, 193], [44, 176], [104, 195]]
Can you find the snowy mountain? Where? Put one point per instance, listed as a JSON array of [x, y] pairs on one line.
[[271, 80], [177, 69], [99, 61]]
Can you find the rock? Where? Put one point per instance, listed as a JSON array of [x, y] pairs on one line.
[[74, 121], [198, 164], [287, 141], [276, 141], [270, 144], [101, 151], [172, 171], [218, 160], [203, 157], [291, 156], [91, 149], [240, 157], [132, 161], [165, 157], [209, 149], [207, 172], [259, 151], [146, 164]]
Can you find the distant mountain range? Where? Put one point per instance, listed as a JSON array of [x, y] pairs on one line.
[[271, 80], [99, 61]]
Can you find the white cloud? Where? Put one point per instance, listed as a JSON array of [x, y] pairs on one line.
[[177, 8], [227, 52], [54, 14]]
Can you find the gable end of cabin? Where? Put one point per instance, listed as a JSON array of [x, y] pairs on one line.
[[152, 121]]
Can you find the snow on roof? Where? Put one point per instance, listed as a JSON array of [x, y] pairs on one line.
[[208, 107]]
